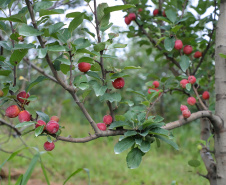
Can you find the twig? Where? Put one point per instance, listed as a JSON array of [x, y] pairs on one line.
[[200, 101], [3, 122]]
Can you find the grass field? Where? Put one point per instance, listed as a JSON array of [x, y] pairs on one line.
[[160, 166]]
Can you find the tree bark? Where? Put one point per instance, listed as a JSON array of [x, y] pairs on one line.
[[220, 90]]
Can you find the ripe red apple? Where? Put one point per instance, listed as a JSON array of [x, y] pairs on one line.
[[107, 119], [127, 20], [118, 83], [49, 146], [55, 118], [52, 127], [132, 16], [186, 113], [40, 123], [140, 10], [191, 101], [102, 126], [149, 90], [191, 79], [1, 93], [84, 67], [183, 83], [178, 44], [156, 84], [21, 95], [183, 107], [187, 49], [164, 13], [205, 95], [24, 116], [12, 111], [156, 12], [197, 54]]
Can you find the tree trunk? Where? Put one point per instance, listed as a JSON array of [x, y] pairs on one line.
[[220, 90]]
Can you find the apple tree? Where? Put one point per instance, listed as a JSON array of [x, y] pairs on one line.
[[177, 33]]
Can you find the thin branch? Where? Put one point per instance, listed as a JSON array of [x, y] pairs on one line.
[[152, 105], [3, 122], [200, 100], [183, 8]]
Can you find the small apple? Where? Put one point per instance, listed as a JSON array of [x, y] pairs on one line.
[[178, 44], [21, 95], [156, 84], [49, 146], [132, 16], [127, 20], [52, 127], [24, 116], [102, 126], [191, 79], [186, 113], [156, 12], [187, 49], [140, 10], [40, 123], [118, 83], [12, 111], [191, 101], [164, 13], [149, 90], [197, 54], [55, 118], [183, 107], [84, 67], [205, 95], [107, 119], [183, 83]]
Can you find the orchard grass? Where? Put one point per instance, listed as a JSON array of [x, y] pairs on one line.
[[160, 166]]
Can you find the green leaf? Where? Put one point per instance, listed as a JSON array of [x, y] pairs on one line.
[[188, 86], [145, 146], [116, 124], [42, 5], [82, 43], [99, 47], [55, 27], [99, 89], [56, 48], [87, 31], [132, 67], [15, 18], [170, 142], [194, 163], [222, 55], [83, 86], [134, 158], [136, 92], [184, 64], [50, 12], [5, 45], [111, 97], [23, 46], [124, 145], [5, 72], [26, 30], [43, 116], [17, 56], [158, 119], [42, 52], [35, 82], [86, 59], [138, 141], [104, 28], [160, 131], [24, 124], [2, 25], [171, 15], [39, 130], [93, 74], [64, 35], [102, 17], [78, 19], [65, 68], [19, 180], [30, 169], [117, 8], [169, 43], [77, 171], [130, 133], [80, 79], [119, 45], [44, 171]]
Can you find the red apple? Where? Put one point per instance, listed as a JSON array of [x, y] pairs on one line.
[[183, 107], [191, 101], [49, 146], [156, 12], [24, 116], [52, 127], [140, 10], [12, 111], [102, 126], [205, 95], [156, 84], [132, 16], [40, 123], [127, 20], [118, 83], [187, 49], [186, 113], [197, 54], [21, 95], [84, 67], [178, 44], [191, 79], [107, 119], [183, 83], [55, 118]]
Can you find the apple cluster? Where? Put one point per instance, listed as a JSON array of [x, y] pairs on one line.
[[23, 115], [154, 87], [107, 120], [130, 17]]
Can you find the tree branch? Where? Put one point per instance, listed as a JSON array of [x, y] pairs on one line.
[[3, 122]]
